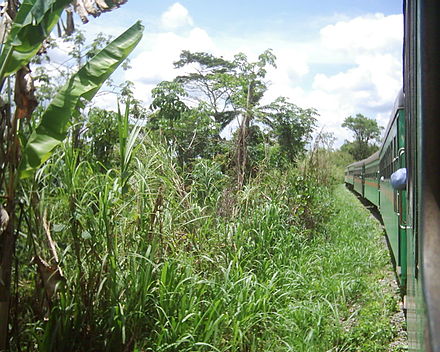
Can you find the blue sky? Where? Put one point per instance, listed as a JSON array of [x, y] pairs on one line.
[[341, 57], [280, 15]]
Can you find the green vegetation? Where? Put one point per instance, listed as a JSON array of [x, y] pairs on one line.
[[280, 265], [365, 131], [144, 230]]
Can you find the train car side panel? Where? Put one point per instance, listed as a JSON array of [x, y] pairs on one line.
[[425, 107], [400, 162], [371, 182], [348, 178], [358, 181], [388, 196]]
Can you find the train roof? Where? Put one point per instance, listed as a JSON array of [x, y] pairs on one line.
[[368, 160], [399, 104], [372, 158], [356, 163]]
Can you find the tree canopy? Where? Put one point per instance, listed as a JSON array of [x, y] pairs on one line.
[[366, 132], [195, 107]]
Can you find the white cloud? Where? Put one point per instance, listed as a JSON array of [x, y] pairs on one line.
[[372, 82], [353, 66], [365, 33], [158, 52], [292, 64], [177, 16], [372, 47]]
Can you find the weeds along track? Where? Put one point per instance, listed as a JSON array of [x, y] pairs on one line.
[[299, 267]]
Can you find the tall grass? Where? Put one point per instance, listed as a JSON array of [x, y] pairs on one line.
[[154, 261]]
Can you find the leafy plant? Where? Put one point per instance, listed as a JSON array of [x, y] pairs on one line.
[[127, 142], [52, 128], [33, 23]]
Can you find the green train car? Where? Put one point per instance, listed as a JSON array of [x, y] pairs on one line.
[[412, 215], [371, 180], [412, 139]]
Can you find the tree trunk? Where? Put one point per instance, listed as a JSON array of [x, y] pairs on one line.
[[242, 140], [7, 243]]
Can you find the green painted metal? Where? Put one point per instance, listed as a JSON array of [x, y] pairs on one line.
[[389, 198], [389, 217], [415, 305], [412, 217], [401, 200], [371, 180], [348, 177], [358, 183]]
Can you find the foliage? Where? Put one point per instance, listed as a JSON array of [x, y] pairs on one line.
[[192, 135], [33, 23], [209, 83], [290, 125], [31, 26], [151, 244], [365, 130], [127, 146], [167, 101], [162, 270], [248, 79], [227, 89], [80, 51], [340, 159], [52, 128], [208, 182], [358, 151], [102, 131]]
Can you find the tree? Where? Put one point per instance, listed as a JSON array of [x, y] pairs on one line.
[[191, 132], [366, 132], [230, 89], [290, 125], [167, 101], [227, 89], [102, 131], [209, 83], [250, 87]]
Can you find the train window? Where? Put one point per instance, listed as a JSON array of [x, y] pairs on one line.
[[392, 154], [390, 160], [386, 163]]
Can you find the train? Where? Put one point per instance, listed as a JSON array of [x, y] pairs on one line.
[[411, 215]]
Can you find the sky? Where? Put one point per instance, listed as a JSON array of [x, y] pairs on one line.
[[341, 57]]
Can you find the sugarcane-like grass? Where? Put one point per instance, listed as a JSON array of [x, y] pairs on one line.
[[156, 262]]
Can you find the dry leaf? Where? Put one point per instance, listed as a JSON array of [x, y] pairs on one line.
[[4, 219], [84, 8], [24, 96], [50, 276]]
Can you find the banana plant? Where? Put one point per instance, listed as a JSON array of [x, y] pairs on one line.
[[54, 123], [32, 24], [34, 21]]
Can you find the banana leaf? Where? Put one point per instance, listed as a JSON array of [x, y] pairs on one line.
[[34, 21], [54, 123]]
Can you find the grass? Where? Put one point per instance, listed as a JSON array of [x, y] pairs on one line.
[[341, 305], [331, 287], [153, 262]]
